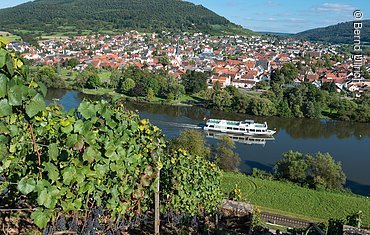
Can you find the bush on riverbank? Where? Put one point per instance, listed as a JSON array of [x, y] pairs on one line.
[[319, 171]]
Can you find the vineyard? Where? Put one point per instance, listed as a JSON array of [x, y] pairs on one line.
[[98, 168], [293, 200]]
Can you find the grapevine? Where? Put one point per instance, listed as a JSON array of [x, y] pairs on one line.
[[98, 160]]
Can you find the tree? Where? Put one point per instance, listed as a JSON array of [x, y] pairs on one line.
[[115, 78], [311, 111], [88, 78], [164, 60], [48, 76], [151, 82], [192, 141], [150, 94], [224, 154], [283, 109], [221, 99], [138, 90], [170, 97], [364, 72], [327, 172], [72, 63], [174, 88], [290, 72], [217, 86], [126, 85], [262, 107], [263, 85], [93, 81], [292, 167], [194, 81], [329, 86], [319, 171]]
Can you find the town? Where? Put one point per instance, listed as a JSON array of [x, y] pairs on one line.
[[238, 61]]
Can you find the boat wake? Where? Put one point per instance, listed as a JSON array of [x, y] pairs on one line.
[[183, 125]]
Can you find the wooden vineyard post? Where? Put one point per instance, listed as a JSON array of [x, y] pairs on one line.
[[157, 221]]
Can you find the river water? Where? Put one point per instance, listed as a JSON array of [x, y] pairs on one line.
[[347, 142]]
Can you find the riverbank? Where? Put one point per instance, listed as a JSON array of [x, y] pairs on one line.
[[185, 100], [292, 200]]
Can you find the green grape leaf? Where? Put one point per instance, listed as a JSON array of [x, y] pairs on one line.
[[52, 171], [3, 129], [15, 95], [43, 89], [3, 85], [53, 151], [41, 218], [67, 129], [80, 175], [90, 154], [2, 57], [5, 108], [77, 204], [43, 197], [87, 110], [9, 63], [36, 105], [48, 199], [68, 175], [78, 126], [26, 186], [101, 170], [71, 140]]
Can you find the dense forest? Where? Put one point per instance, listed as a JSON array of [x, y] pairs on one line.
[[339, 33], [145, 15]]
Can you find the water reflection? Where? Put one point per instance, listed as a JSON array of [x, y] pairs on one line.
[[239, 138]]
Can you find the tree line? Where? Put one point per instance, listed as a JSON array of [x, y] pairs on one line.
[[283, 98], [79, 15]]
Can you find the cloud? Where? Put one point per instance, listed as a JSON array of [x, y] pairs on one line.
[[271, 4], [334, 7]]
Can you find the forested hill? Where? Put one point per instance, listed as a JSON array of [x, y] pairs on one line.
[[96, 15], [339, 33]]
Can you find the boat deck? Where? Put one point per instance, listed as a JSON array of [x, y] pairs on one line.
[[231, 123]]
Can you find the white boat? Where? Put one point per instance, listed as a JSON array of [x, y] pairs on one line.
[[247, 127], [250, 140]]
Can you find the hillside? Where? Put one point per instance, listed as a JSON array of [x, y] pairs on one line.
[[285, 198], [339, 33], [63, 16]]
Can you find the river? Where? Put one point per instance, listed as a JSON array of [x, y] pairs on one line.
[[347, 142]]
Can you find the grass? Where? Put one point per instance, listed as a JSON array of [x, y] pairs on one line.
[[292, 200], [98, 91], [9, 37], [104, 75]]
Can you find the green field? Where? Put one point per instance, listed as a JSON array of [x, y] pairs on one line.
[[9, 37], [293, 200]]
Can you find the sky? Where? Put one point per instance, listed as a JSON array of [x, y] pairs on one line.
[[287, 16]]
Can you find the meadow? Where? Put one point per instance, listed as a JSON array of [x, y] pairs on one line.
[[9, 37], [292, 200]]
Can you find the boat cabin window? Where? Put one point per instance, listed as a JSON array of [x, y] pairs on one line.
[[212, 126], [229, 128], [235, 128], [253, 130], [259, 131]]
